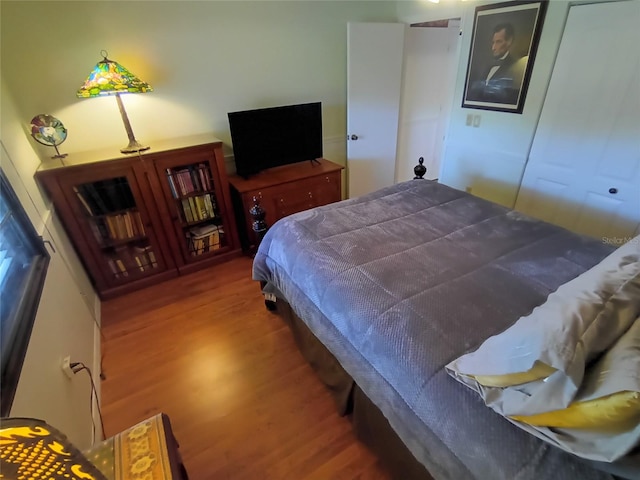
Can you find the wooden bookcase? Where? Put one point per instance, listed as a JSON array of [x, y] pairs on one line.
[[136, 220], [282, 191]]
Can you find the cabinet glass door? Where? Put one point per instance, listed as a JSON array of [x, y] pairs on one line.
[[194, 195], [117, 227], [193, 191]]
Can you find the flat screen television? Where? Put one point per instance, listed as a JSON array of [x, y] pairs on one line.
[[270, 137]]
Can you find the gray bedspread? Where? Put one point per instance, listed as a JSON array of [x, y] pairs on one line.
[[399, 283]]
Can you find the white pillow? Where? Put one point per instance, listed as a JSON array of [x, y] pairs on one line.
[[577, 323]]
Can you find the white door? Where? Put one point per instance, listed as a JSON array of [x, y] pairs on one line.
[[430, 64], [374, 80], [583, 171]]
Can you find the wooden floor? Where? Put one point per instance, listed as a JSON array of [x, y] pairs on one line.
[[242, 401]]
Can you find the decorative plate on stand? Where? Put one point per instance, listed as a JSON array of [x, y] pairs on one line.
[[49, 131]]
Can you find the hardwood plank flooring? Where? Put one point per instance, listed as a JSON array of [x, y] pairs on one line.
[[243, 402]]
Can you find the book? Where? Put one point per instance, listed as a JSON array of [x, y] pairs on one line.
[[196, 247], [172, 185], [111, 226], [185, 181], [129, 225], [121, 228], [186, 208], [204, 239], [188, 180], [139, 262], [146, 256], [195, 179], [200, 205], [122, 267], [203, 178], [194, 209], [114, 270], [179, 181], [152, 258], [209, 206], [214, 240]]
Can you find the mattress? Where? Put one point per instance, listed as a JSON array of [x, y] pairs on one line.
[[400, 282]]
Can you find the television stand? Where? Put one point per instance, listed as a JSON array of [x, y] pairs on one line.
[[282, 191]]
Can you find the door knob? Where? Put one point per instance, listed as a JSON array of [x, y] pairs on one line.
[[354, 137]]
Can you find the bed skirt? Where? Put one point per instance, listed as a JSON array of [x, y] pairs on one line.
[[369, 424]]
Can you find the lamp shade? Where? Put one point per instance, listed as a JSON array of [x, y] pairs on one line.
[[111, 78], [108, 78]]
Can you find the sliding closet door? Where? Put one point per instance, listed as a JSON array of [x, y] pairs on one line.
[[583, 171]]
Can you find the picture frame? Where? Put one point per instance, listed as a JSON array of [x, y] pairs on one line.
[[503, 50]]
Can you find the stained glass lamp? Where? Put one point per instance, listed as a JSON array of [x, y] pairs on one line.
[[111, 78]]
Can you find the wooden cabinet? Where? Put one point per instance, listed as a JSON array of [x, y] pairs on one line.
[[282, 191], [138, 220]]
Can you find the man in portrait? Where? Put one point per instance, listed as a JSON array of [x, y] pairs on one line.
[[500, 81]]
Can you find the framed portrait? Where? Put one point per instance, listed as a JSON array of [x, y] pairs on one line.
[[503, 49]]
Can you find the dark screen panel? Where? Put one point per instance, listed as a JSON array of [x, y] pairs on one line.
[[271, 137]]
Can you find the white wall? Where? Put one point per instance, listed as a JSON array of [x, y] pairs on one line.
[[203, 58], [64, 326], [490, 159], [68, 313], [417, 11]]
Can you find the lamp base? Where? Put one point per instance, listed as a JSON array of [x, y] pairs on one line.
[[134, 147]]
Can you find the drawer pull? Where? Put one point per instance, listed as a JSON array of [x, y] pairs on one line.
[[327, 179], [310, 195]]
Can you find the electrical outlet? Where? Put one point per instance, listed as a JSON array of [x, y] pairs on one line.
[[476, 121], [66, 366], [469, 120]]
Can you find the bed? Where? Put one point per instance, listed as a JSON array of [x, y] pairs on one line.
[[383, 291]]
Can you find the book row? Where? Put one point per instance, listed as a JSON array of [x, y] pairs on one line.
[[205, 239], [195, 178], [121, 226], [201, 207], [128, 260]]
